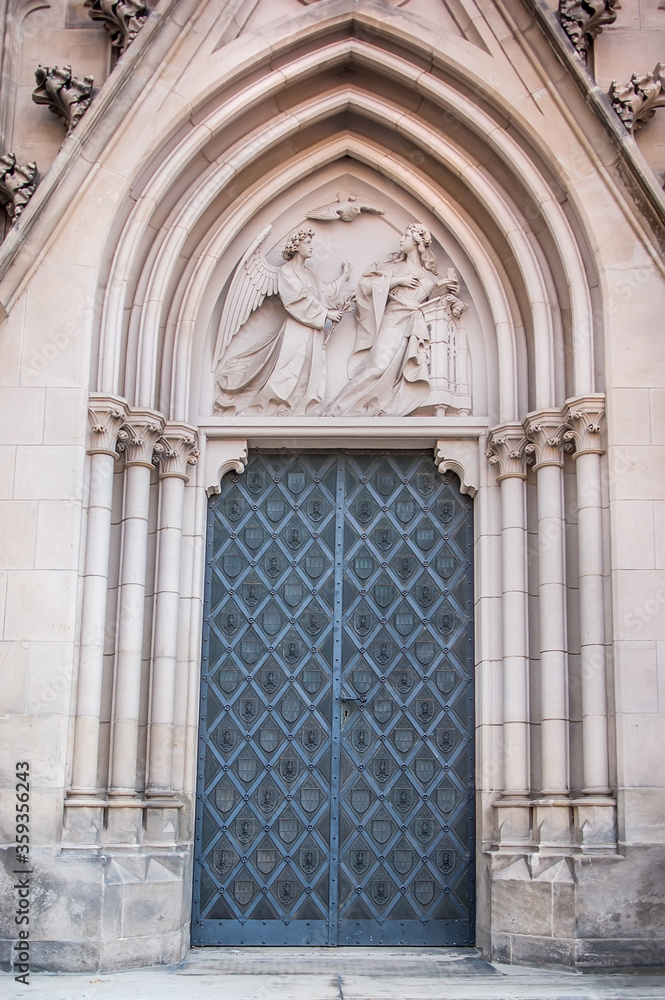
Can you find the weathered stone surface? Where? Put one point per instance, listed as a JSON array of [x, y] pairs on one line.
[[63, 94]]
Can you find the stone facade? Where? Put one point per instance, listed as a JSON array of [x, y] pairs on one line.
[[211, 122]]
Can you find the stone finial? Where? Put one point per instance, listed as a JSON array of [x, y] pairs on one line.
[[17, 184], [584, 416], [139, 435], [176, 450], [64, 95], [545, 431], [506, 449], [636, 102], [107, 416], [583, 20], [123, 19]]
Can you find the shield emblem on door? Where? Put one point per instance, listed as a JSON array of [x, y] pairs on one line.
[[225, 799], [272, 622], [234, 508], [424, 769], [232, 563], [382, 709], [293, 593], [425, 651], [361, 739], [227, 678], [382, 830], [267, 799], [362, 622], [359, 861], [382, 768], [309, 860], [266, 859], [249, 709], [292, 650], [402, 861], [405, 622], [364, 509], [404, 739], [289, 768], [403, 680], [446, 510], [446, 861], [424, 594], [290, 709], [268, 739], [445, 799], [313, 622], [385, 483], [311, 679], [445, 566], [363, 566], [405, 510], [250, 650], [311, 738], [226, 739], [270, 680], [294, 536], [314, 564], [243, 890], [445, 622], [381, 891], [403, 799], [247, 767], [384, 538], [296, 481], [316, 509], [245, 827], [223, 861], [273, 565], [310, 799], [446, 680], [425, 483], [383, 651], [423, 890], [384, 594], [424, 829], [230, 623], [404, 566], [446, 739], [425, 535], [275, 509], [362, 679], [251, 594], [360, 799], [287, 827], [424, 710], [255, 481], [253, 536]]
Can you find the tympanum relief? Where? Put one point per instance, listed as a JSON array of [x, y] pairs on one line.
[[409, 353]]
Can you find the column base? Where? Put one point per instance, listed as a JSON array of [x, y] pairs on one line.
[[513, 824], [595, 824], [552, 824]]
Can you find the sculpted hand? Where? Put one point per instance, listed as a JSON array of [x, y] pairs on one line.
[[406, 282], [346, 268], [335, 315]]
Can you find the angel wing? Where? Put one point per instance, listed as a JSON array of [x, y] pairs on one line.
[[254, 279], [325, 213]]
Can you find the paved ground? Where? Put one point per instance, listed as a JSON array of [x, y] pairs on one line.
[[342, 974]]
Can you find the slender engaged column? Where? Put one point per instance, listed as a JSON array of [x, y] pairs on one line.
[[545, 432], [107, 414], [175, 452], [584, 416], [506, 450], [144, 428]]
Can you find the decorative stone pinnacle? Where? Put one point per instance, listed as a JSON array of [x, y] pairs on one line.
[[139, 435], [583, 20], [636, 102], [17, 184], [106, 415], [584, 417], [122, 19], [176, 450], [545, 432], [64, 95], [506, 449]]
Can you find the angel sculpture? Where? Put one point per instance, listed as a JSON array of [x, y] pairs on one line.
[[347, 208], [263, 371]]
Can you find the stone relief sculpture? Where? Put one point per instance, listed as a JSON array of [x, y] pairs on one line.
[[17, 184], [63, 94], [347, 208], [263, 371], [636, 102], [389, 370]]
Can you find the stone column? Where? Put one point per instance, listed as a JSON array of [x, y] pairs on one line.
[[107, 415], [545, 432], [176, 452], [505, 450], [144, 428]]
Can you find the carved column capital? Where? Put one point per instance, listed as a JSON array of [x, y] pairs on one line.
[[505, 449], [63, 94], [107, 414], [176, 451], [583, 20], [139, 435], [545, 431], [585, 416]]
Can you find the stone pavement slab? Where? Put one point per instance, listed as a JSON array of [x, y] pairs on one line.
[[337, 974]]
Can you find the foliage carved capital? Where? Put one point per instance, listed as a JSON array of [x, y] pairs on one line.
[[106, 414], [545, 431], [506, 446], [585, 416], [138, 436], [176, 451]]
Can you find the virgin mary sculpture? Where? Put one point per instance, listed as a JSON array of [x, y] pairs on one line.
[[278, 372], [389, 368]]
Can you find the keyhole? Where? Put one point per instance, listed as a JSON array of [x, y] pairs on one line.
[[346, 713]]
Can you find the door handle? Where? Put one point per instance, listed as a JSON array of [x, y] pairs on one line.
[[362, 701]]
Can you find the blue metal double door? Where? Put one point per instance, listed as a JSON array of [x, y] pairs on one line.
[[335, 785]]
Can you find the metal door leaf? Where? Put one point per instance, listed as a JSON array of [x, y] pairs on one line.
[[423, 890], [382, 709], [425, 710], [268, 738], [360, 798], [296, 480], [361, 738], [404, 566], [446, 680], [382, 830], [272, 622], [424, 769], [446, 621], [228, 679], [251, 594], [425, 483], [243, 890], [289, 768], [404, 739], [384, 538], [362, 621], [382, 768], [402, 860], [446, 861], [266, 859], [312, 679], [385, 481], [309, 860], [403, 679], [314, 563], [405, 510], [310, 797], [381, 891], [425, 651], [245, 828], [316, 509], [290, 709], [364, 508], [232, 562], [247, 768], [445, 566], [446, 740], [234, 507], [384, 594], [383, 651], [311, 738], [223, 860], [293, 592], [363, 565], [275, 508], [405, 622], [255, 481], [249, 709], [287, 827], [225, 738], [362, 678], [225, 799], [445, 509], [254, 536], [445, 799]]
